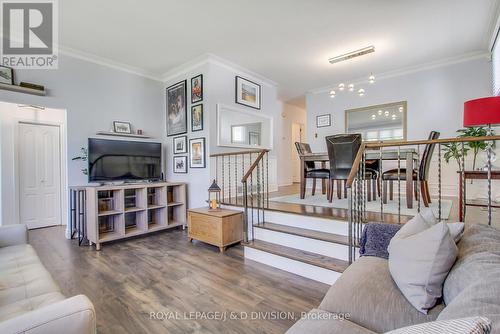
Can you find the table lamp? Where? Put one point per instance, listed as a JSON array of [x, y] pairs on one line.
[[484, 112]]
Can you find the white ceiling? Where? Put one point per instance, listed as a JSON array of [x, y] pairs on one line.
[[287, 41]]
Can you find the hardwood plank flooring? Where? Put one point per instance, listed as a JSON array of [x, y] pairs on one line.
[[163, 272], [300, 255]]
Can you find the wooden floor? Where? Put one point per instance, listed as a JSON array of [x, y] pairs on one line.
[[165, 273]]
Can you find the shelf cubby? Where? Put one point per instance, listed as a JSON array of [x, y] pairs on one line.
[[117, 212]]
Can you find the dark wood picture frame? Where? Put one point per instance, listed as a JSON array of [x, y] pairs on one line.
[[323, 116], [238, 99], [11, 75], [200, 98], [175, 169], [183, 138], [203, 153], [183, 127], [192, 118]]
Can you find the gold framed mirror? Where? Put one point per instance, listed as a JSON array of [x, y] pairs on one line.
[[382, 122]]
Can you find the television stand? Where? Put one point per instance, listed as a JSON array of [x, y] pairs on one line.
[[115, 212]]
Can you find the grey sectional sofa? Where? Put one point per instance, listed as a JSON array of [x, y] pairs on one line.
[[372, 302], [30, 300]]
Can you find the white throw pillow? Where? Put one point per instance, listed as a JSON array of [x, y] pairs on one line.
[[420, 258], [456, 229], [472, 325]]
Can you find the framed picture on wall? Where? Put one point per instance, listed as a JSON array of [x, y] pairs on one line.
[[197, 153], [6, 75], [197, 117], [323, 121], [180, 144], [176, 109], [180, 165], [197, 89], [247, 93], [122, 127]]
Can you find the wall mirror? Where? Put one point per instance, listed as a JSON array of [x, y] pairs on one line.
[[383, 122], [243, 129]]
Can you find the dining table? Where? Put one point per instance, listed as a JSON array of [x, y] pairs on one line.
[[408, 155]]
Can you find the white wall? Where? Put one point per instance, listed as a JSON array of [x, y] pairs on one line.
[[197, 178], [93, 96], [219, 88], [435, 102], [291, 114]]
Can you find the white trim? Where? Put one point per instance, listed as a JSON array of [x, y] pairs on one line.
[[63, 165], [411, 69], [107, 62], [248, 112], [209, 58]]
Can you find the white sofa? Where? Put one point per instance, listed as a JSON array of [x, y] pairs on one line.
[[30, 300]]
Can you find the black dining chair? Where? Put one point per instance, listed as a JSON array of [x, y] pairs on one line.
[[310, 170], [421, 177], [342, 151]]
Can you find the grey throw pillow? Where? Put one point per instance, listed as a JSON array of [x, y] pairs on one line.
[[420, 258]]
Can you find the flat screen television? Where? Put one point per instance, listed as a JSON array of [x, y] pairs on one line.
[[119, 160]]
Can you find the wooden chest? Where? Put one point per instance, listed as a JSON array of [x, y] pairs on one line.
[[219, 228]]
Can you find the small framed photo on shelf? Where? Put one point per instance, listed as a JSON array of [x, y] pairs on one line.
[[180, 165], [180, 144], [247, 93], [197, 89], [197, 153], [323, 121], [6, 75], [197, 117], [122, 127]]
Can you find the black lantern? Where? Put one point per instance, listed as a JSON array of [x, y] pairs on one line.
[[214, 196]]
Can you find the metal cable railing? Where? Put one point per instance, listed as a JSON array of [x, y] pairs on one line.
[[357, 196]]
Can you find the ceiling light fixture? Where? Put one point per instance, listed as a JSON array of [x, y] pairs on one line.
[[332, 94], [374, 116], [351, 87], [352, 54], [371, 79], [361, 92], [341, 87], [386, 113]]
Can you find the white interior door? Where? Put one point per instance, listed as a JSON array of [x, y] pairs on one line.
[[296, 137], [39, 167]]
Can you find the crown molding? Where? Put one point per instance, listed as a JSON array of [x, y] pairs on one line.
[[184, 67], [107, 62], [410, 69], [210, 58], [494, 26]]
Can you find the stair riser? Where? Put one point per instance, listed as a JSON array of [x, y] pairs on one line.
[[302, 221], [338, 251], [299, 268]]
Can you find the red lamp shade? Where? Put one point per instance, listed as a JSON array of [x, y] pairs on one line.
[[485, 111]]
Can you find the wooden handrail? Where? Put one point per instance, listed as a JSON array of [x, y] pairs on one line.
[[355, 165], [372, 146], [236, 153], [433, 141], [252, 167]]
